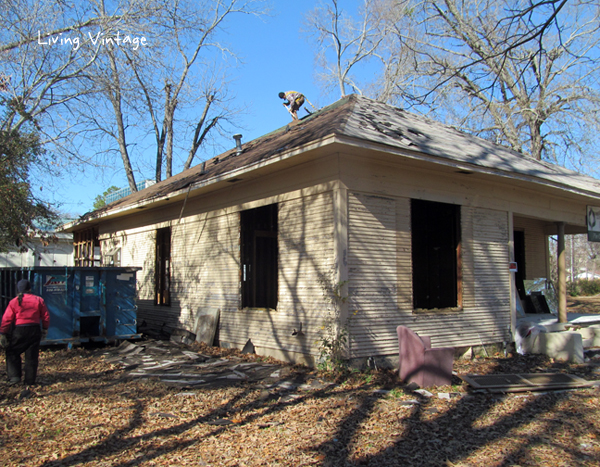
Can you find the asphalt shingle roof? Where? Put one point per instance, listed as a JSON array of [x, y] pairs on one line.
[[362, 119]]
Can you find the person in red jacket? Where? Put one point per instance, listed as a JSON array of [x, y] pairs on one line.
[[20, 332]]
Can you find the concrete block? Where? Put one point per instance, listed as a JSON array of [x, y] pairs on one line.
[[588, 335], [556, 327], [593, 339], [567, 345]]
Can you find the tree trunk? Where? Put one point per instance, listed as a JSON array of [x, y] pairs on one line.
[[169, 155], [115, 98]]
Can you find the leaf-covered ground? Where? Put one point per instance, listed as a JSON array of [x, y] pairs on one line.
[[89, 412]]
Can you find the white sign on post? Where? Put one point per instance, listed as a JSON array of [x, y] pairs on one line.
[[593, 223]]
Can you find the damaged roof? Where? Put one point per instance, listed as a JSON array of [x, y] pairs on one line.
[[360, 119]]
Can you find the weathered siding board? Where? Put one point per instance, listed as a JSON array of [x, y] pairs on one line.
[[380, 271], [138, 249], [205, 272], [536, 247], [372, 272], [205, 265], [203, 268], [306, 258], [486, 304]]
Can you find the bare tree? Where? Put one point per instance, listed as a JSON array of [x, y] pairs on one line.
[[101, 76], [520, 73], [149, 88], [343, 42], [48, 53], [47, 50]]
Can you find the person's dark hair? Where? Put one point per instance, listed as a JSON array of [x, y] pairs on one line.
[[282, 95], [22, 286]]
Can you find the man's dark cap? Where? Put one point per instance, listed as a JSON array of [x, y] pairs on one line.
[[282, 95], [23, 286]]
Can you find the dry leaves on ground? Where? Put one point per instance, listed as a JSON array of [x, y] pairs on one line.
[[89, 412]]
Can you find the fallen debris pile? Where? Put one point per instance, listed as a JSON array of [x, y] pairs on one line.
[[175, 365]]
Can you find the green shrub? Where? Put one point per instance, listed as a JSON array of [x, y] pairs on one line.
[[585, 287]]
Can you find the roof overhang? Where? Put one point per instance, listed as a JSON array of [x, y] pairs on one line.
[[287, 158], [293, 145]]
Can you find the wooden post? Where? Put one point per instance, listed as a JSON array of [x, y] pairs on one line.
[[513, 285], [562, 274]]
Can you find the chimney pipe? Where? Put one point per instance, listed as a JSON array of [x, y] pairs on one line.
[[238, 143]]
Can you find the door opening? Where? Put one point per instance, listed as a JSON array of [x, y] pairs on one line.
[[259, 257]]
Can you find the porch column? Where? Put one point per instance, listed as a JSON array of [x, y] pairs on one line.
[[562, 274], [513, 286]]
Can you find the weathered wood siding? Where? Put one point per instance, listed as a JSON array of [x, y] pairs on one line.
[[137, 250], [205, 272], [374, 281], [380, 278], [205, 265], [536, 247], [306, 263]]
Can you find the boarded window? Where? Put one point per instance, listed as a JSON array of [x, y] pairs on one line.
[[163, 266], [435, 254], [259, 257]]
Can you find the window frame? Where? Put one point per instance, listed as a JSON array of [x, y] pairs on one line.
[[86, 248]]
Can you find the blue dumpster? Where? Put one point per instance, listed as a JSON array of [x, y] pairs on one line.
[[86, 304]]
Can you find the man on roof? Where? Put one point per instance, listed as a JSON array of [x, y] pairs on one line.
[[293, 102]]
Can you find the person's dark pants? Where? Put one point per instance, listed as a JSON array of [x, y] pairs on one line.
[[24, 339], [297, 104]]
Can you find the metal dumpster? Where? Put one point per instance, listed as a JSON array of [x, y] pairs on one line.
[[86, 304]]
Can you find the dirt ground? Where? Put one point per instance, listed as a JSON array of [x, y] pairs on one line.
[[91, 412], [588, 305]]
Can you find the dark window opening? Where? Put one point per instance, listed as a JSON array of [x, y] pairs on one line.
[[436, 255], [519, 242], [163, 266], [259, 257]]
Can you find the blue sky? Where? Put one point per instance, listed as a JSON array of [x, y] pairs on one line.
[[276, 57]]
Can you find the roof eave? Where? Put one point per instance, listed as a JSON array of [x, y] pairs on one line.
[[459, 165], [171, 196]]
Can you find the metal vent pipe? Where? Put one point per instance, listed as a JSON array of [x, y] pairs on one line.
[[238, 142]]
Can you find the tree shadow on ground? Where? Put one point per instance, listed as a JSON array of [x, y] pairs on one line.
[[430, 439], [120, 440], [427, 436]]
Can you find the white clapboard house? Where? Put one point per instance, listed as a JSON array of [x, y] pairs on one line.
[[362, 213]]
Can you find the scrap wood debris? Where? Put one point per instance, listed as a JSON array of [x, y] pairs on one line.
[[174, 365], [90, 411]]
